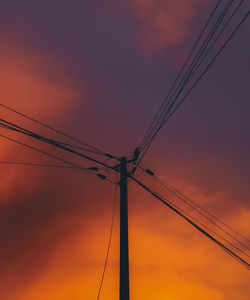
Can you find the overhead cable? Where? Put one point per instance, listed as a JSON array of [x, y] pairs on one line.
[[220, 244], [55, 130]]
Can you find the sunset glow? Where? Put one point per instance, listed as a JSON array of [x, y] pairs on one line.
[[100, 72]]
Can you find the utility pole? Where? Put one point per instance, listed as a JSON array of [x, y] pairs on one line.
[[124, 253]]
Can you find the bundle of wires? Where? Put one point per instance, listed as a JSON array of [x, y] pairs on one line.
[[224, 235], [223, 23]]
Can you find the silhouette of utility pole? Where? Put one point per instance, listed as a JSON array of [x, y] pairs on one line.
[[124, 252]]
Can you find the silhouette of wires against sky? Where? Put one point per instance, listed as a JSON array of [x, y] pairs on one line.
[[203, 55], [222, 25]]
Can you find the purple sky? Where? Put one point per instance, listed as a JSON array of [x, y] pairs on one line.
[[121, 83]]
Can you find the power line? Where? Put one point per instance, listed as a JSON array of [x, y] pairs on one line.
[[27, 132], [34, 135], [35, 164], [187, 201], [46, 165], [19, 129], [169, 113], [109, 243], [180, 72], [208, 228], [208, 67], [44, 152], [55, 130], [205, 210], [168, 105], [57, 158], [204, 226], [198, 64], [225, 248], [165, 112]]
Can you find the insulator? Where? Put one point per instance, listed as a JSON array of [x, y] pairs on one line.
[[93, 169], [149, 172]]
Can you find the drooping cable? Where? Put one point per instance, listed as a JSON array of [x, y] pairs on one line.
[[170, 113], [180, 73], [35, 164], [201, 55], [109, 242], [190, 70], [206, 227], [181, 85], [186, 199], [170, 110], [54, 129], [164, 183], [220, 244], [202, 224], [204, 213], [46, 153], [219, 35], [14, 127], [206, 69], [90, 169], [176, 87]]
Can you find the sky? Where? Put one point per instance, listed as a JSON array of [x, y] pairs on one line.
[[99, 70]]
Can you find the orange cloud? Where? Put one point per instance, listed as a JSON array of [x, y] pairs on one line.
[[54, 228], [33, 83], [164, 23], [173, 263]]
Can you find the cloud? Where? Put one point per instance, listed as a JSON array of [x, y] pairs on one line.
[[36, 205], [32, 83], [163, 23], [54, 224], [165, 254], [179, 256]]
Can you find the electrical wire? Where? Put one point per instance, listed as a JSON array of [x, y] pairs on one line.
[[8, 125], [44, 152], [34, 135], [53, 129], [207, 68], [180, 72], [110, 240], [57, 158], [169, 112], [199, 63], [187, 200], [27, 132], [197, 208], [188, 73], [204, 226], [35, 164], [220, 244], [147, 141]]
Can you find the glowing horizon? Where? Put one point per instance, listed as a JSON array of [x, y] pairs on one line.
[[100, 72]]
